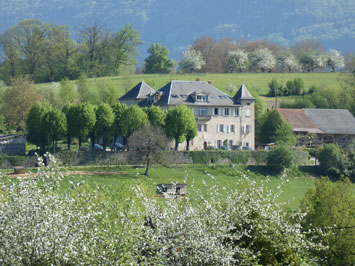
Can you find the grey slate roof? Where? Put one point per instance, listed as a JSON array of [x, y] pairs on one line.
[[243, 94], [332, 121], [140, 91], [179, 92]]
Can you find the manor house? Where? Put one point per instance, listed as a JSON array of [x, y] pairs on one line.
[[222, 121]]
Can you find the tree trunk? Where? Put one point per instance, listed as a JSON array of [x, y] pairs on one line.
[[187, 144], [147, 168], [176, 144], [69, 141]]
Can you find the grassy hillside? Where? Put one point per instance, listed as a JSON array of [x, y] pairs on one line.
[[254, 81]]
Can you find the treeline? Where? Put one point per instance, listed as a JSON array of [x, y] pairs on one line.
[[49, 52], [47, 124], [227, 56]]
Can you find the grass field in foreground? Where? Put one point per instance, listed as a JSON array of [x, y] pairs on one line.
[[198, 177], [254, 81]]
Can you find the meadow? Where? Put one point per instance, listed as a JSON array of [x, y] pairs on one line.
[[118, 180], [254, 81]]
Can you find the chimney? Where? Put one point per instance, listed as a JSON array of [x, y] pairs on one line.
[[209, 82], [197, 79], [159, 94]]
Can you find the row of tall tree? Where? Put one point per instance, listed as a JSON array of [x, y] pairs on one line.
[[226, 56], [49, 52], [47, 124]]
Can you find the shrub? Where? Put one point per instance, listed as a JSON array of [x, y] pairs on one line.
[[330, 160], [331, 206], [280, 158]]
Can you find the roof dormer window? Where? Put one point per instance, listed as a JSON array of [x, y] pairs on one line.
[[202, 98]]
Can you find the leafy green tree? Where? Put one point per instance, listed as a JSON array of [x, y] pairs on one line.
[[191, 133], [84, 92], [179, 121], [107, 93], [330, 206], [123, 49], [280, 158], [29, 38], [284, 135], [330, 159], [191, 61], [67, 92], [156, 115], [17, 101], [104, 120], [70, 112], [85, 121], [55, 124], [295, 87], [275, 129], [133, 118], [260, 108], [36, 132], [275, 87], [119, 128], [158, 60]]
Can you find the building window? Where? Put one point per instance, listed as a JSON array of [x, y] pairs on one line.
[[202, 111], [230, 143], [199, 127], [205, 127], [226, 111], [247, 112], [247, 144], [221, 128], [216, 111], [202, 98], [232, 128], [219, 143], [236, 112], [248, 129]]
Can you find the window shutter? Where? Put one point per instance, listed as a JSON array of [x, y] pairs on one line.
[[235, 129], [227, 128], [240, 111], [250, 129], [224, 128], [217, 128], [216, 143]]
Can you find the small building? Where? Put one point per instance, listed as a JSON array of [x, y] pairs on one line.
[[172, 189], [13, 144], [326, 125]]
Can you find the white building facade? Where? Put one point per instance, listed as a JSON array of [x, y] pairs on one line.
[[222, 121]]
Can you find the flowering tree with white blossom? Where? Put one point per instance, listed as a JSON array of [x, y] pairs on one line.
[[43, 225]]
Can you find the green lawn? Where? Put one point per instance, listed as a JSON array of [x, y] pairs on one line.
[[254, 81], [198, 177]]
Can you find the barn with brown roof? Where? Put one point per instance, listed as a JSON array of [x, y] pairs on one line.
[[327, 125]]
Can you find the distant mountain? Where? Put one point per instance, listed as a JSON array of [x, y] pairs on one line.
[[177, 23]]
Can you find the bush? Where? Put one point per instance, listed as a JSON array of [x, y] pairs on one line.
[[280, 158], [331, 206], [330, 160]]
